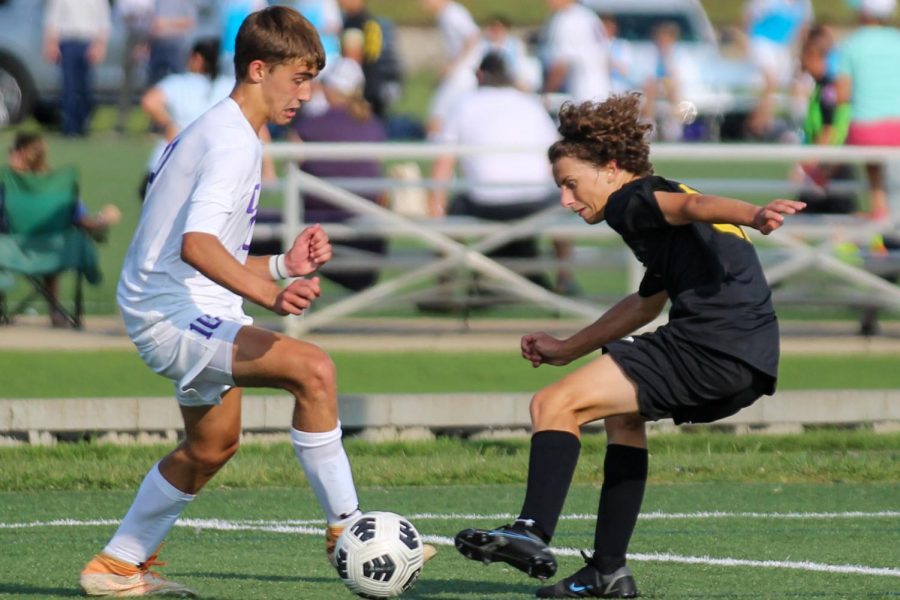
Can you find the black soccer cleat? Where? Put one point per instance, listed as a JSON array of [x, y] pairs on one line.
[[516, 547], [589, 582]]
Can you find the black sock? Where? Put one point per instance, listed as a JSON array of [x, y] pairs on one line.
[[554, 455], [624, 479]]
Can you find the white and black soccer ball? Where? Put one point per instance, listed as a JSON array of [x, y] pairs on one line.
[[379, 555]]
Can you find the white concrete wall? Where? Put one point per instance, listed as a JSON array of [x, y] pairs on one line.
[[40, 420]]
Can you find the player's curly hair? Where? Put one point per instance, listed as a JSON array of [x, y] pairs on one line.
[[600, 132]]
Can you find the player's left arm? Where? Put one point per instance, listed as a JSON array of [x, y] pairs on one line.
[[682, 208]]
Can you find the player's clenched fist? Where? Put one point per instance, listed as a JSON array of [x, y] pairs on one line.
[[297, 296], [540, 348], [310, 250]]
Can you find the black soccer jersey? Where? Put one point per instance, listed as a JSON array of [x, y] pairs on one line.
[[711, 273]]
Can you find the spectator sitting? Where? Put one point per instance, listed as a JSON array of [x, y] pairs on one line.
[[508, 186], [348, 118], [867, 80], [179, 98], [29, 155]]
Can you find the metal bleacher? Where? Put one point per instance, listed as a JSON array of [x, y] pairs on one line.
[[805, 244]]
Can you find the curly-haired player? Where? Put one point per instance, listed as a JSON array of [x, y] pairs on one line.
[[717, 354]]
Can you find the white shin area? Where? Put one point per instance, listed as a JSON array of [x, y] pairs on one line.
[[155, 509], [327, 469]]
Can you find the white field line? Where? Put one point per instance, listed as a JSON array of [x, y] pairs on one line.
[[652, 516], [312, 527]]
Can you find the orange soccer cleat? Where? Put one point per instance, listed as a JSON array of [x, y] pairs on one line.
[[108, 576]]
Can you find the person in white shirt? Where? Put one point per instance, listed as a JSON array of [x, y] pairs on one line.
[[576, 53], [181, 293], [462, 40], [501, 186]]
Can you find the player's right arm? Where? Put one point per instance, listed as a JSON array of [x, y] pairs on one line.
[[682, 208], [205, 252], [628, 315]]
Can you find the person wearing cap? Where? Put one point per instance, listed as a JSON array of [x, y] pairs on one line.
[[867, 80]]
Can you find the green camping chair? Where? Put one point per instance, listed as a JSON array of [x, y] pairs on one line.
[[38, 238]]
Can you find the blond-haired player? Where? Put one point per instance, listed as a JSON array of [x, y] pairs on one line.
[[181, 293]]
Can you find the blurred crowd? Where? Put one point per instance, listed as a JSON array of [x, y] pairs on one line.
[[808, 81], [576, 54]]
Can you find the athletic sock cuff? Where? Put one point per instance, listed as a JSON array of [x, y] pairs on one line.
[[171, 492], [556, 439], [306, 439]]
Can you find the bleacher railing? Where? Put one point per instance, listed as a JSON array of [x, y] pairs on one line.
[[806, 241]]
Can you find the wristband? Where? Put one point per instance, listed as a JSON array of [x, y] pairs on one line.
[[278, 267]]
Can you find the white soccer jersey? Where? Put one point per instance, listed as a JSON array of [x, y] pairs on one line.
[[208, 180], [576, 37]]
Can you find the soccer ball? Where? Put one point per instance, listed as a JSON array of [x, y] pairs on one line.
[[379, 555]]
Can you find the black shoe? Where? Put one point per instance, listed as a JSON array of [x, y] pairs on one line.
[[589, 582], [517, 547]]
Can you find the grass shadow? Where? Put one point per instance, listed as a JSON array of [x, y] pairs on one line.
[[426, 588], [39, 592]]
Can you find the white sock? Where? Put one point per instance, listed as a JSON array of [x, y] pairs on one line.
[[155, 509], [328, 471]]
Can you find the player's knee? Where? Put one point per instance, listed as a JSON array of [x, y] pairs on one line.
[[317, 380], [547, 404]]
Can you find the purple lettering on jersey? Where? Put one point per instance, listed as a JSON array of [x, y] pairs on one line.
[[251, 210], [166, 155], [254, 196]]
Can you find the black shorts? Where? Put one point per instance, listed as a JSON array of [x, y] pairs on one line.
[[686, 382]]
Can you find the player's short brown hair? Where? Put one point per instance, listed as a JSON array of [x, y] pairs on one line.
[[600, 132], [276, 35]]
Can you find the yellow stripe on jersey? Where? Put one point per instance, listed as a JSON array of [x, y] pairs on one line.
[[732, 229], [723, 227]]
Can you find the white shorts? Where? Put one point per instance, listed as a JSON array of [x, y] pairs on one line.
[[195, 352]]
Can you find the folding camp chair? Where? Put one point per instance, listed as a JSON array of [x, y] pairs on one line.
[[39, 239]]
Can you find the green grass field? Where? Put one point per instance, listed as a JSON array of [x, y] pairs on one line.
[[753, 517], [112, 373]]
